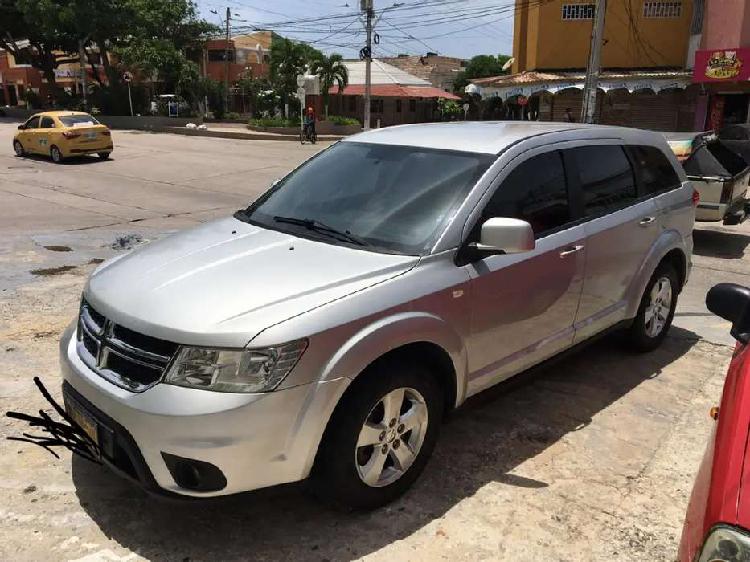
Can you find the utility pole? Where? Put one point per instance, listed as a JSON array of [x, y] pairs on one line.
[[594, 66], [369, 12], [226, 65], [82, 63]]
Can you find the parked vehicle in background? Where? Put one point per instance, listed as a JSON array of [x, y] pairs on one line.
[[717, 524], [325, 330], [719, 173], [62, 134]]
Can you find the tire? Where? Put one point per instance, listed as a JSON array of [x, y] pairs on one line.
[[314, 138], [345, 460], [18, 148], [650, 326], [56, 154], [103, 155], [302, 138]]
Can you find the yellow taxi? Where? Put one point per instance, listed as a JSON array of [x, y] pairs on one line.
[[62, 134]]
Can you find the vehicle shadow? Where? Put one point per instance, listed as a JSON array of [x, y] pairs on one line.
[[71, 161], [481, 443], [719, 244]]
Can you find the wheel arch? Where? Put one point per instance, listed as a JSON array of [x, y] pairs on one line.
[[668, 248]]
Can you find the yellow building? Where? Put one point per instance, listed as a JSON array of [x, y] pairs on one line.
[[647, 50], [556, 34]]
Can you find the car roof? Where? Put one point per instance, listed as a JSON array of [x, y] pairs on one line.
[[59, 113], [491, 137]]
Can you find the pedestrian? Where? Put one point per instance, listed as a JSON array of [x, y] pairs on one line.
[[569, 116]]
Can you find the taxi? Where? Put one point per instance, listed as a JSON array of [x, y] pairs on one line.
[[62, 134]]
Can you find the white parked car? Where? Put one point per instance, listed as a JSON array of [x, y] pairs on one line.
[[324, 331]]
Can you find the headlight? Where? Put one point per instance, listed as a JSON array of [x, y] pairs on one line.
[[725, 544], [220, 370]]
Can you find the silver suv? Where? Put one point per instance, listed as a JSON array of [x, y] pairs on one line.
[[324, 332]]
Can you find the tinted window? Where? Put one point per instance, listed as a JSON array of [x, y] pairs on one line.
[[535, 191], [32, 123], [396, 198], [655, 170], [607, 179], [47, 123]]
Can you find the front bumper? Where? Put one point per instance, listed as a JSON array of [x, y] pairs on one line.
[[254, 440]]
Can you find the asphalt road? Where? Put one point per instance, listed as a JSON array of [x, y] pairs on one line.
[[591, 459]]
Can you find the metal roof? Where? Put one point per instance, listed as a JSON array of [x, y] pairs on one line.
[[382, 73]]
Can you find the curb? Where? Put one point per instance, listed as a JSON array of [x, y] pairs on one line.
[[239, 135]]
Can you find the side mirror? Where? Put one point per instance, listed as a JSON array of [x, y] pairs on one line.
[[21, 127], [505, 236], [732, 302]]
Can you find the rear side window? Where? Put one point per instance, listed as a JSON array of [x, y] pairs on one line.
[[656, 172], [47, 123], [535, 191], [607, 181]]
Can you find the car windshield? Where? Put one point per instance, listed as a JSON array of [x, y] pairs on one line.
[[78, 120], [381, 197]]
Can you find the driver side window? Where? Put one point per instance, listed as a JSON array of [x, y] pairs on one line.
[[535, 191], [32, 123]]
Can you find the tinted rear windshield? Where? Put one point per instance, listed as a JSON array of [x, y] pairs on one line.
[[78, 120], [395, 198]]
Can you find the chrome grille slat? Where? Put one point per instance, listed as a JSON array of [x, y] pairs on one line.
[[117, 358]]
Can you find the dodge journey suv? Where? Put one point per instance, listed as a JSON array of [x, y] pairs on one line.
[[323, 332]]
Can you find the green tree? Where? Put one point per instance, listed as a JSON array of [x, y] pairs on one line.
[[36, 31], [288, 59], [259, 91], [480, 66], [330, 70]]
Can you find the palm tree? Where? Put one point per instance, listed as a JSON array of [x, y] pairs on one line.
[[330, 70], [287, 61]]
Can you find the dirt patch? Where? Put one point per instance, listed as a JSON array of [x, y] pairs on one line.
[[127, 242], [58, 248], [49, 271], [95, 261]]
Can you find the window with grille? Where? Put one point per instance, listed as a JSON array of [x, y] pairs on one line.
[[578, 11], [662, 9]]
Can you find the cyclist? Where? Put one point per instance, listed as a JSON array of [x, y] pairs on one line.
[[309, 123]]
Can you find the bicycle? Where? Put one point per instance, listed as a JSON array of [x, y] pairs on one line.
[[308, 134]]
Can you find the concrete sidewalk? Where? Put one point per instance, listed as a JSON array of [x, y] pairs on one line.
[[239, 133]]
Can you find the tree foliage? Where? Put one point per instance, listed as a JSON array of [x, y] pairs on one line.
[[289, 59], [331, 70], [480, 66], [151, 36]]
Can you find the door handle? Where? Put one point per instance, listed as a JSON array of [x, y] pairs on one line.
[[570, 251], [647, 221]]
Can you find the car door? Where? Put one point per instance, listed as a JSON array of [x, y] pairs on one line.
[[523, 305], [44, 134], [27, 137], [620, 228]]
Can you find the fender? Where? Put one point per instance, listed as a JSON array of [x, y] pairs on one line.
[[668, 240], [391, 332]]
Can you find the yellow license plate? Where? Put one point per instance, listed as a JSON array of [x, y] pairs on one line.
[[83, 419]]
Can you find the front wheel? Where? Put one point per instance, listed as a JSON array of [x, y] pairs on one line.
[[55, 154], [302, 138], [18, 148], [380, 437], [656, 310]]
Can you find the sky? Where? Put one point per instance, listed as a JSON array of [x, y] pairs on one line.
[[459, 28]]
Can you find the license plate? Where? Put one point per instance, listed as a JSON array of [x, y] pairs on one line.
[[83, 419], [90, 135]]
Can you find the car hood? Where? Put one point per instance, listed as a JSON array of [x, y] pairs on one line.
[[223, 282]]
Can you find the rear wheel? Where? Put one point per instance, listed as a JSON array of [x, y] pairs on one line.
[[380, 437], [55, 154], [103, 155], [18, 148], [656, 310]]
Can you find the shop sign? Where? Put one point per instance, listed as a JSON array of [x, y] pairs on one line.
[[727, 65]]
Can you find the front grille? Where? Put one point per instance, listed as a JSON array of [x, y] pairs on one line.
[[129, 359]]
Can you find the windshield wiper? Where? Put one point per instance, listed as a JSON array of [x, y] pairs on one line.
[[317, 226]]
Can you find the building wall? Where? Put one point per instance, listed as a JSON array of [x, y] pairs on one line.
[[542, 40], [438, 70], [353, 106], [726, 24]]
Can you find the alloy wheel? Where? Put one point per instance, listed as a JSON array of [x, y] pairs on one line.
[[56, 155], [659, 307], [391, 437], [18, 147]]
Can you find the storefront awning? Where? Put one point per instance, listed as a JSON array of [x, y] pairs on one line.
[[529, 83]]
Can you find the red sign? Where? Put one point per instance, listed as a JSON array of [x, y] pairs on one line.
[[722, 65]]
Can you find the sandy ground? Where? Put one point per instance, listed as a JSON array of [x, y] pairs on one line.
[[591, 459]]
